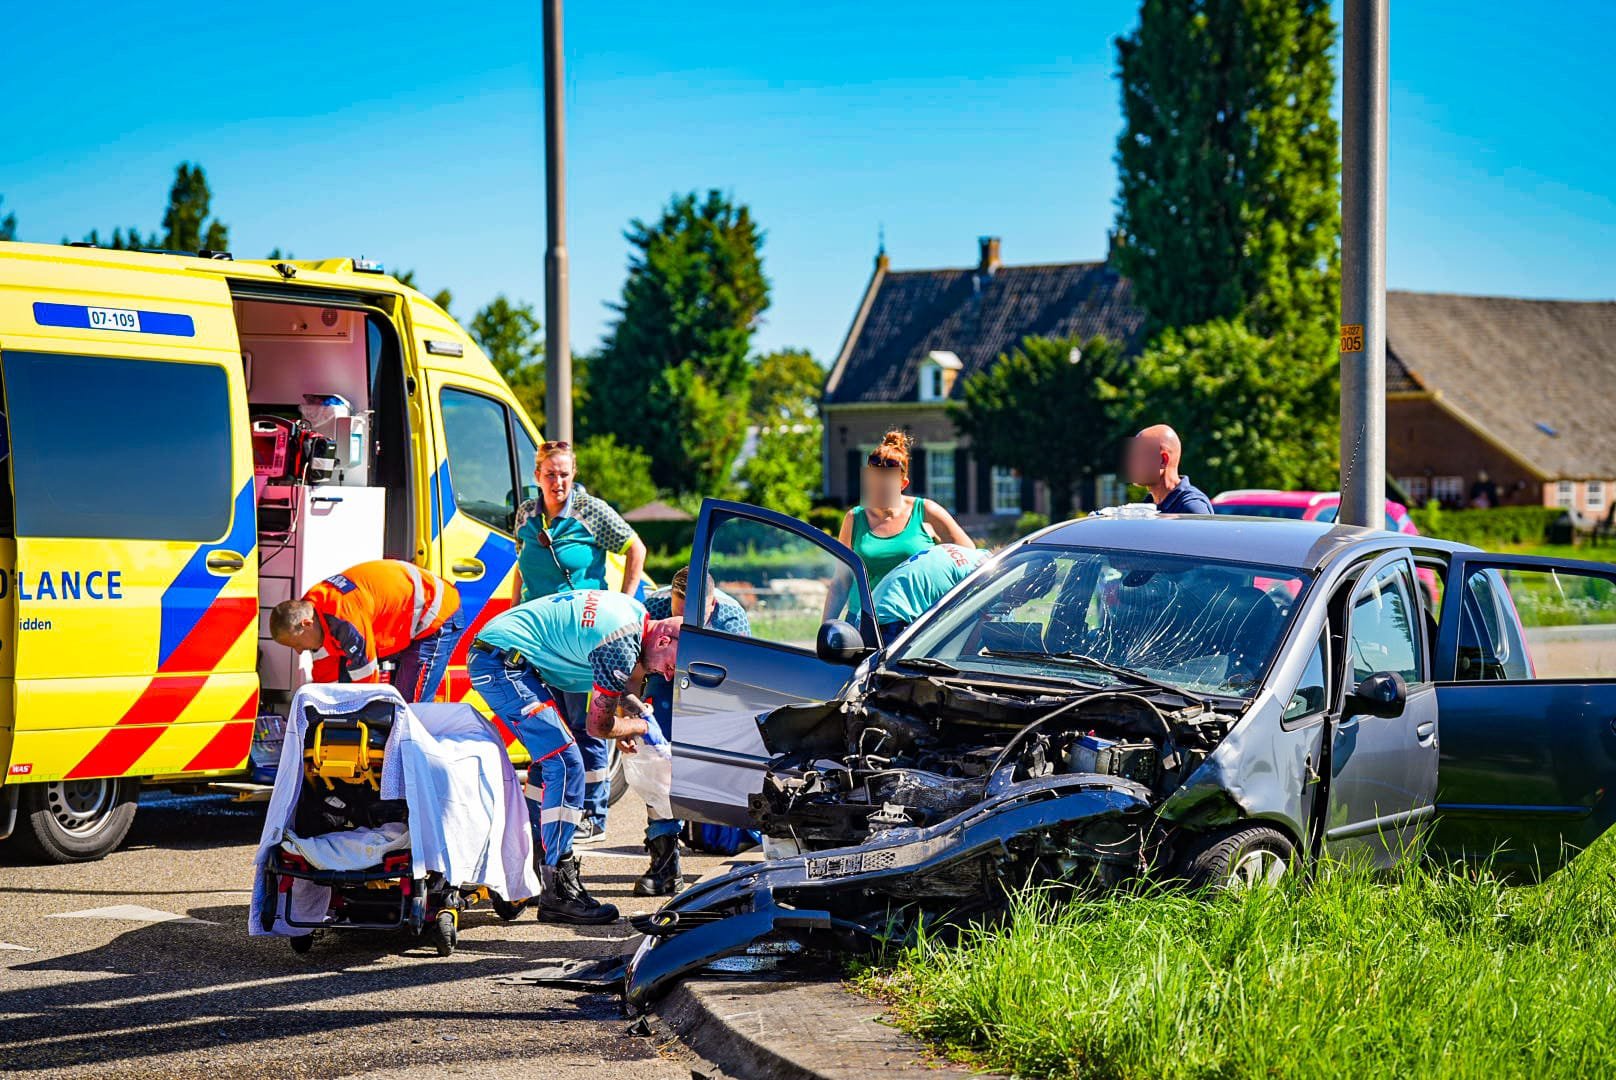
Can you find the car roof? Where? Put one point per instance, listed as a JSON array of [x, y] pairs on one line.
[[1279, 542]]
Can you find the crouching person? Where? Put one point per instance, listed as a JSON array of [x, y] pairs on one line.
[[914, 586], [664, 876], [523, 663], [370, 614]]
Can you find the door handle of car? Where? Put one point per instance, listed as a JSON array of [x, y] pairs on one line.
[[703, 674], [468, 568], [228, 561], [1425, 730]]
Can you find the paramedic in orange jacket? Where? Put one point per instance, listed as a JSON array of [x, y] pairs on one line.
[[382, 610]]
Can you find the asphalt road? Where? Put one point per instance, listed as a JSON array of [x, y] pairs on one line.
[[140, 966]]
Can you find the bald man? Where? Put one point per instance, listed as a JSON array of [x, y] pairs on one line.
[[1152, 462]]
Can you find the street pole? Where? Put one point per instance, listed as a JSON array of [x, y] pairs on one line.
[[557, 349], [1363, 263]]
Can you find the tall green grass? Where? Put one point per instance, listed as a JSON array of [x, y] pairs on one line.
[[1429, 974]]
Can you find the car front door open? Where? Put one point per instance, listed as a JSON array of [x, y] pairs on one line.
[[1526, 670], [779, 571]]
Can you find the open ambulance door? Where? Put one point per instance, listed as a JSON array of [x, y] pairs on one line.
[[134, 590]]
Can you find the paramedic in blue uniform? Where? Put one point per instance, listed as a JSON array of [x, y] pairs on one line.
[[563, 540], [724, 614], [525, 663], [1152, 462], [912, 587]]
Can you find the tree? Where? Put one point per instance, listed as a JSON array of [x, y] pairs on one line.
[[1252, 411], [619, 474], [441, 298], [509, 334], [1229, 205], [671, 377], [1050, 410], [784, 471], [8, 223], [185, 221]]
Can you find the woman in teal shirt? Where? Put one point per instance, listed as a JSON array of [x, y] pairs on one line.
[[563, 539], [888, 526]]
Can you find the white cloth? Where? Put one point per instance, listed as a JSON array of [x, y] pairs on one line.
[[468, 819], [349, 849]]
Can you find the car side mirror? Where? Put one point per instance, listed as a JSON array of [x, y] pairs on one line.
[[1382, 694], [840, 642]]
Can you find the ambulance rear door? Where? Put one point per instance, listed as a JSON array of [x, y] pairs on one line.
[[135, 589]]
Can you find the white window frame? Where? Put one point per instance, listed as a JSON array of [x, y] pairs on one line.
[[1565, 494], [1112, 490], [1006, 492], [1418, 490], [1448, 489], [1593, 495], [936, 456]]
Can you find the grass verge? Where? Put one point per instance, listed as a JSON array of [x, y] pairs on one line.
[[1430, 974]]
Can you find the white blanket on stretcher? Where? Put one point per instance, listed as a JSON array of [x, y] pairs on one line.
[[468, 817]]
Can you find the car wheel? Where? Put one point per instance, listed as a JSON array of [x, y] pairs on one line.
[[67, 821], [1247, 857], [619, 782]]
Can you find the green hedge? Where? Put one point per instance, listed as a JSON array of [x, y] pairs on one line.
[[827, 518], [1507, 526]]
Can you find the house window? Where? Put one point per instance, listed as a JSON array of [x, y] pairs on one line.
[[933, 386], [940, 476], [1448, 489], [1594, 495], [1112, 490], [1006, 491], [1565, 494], [1416, 487]]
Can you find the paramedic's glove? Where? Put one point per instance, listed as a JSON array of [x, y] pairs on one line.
[[653, 731]]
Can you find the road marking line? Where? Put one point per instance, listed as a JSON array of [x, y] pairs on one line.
[[15, 948], [129, 913]]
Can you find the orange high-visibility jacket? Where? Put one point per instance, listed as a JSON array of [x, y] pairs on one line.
[[373, 610]]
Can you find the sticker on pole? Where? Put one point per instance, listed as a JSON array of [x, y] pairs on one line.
[[1352, 337]]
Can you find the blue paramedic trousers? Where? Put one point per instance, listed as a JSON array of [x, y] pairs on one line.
[[518, 696], [597, 756], [419, 669]]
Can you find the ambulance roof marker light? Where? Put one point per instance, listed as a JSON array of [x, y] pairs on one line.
[[363, 265]]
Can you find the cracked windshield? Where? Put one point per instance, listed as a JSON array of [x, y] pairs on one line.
[[1113, 617]]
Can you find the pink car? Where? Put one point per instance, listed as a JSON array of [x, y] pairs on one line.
[[1304, 505], [1313, 506]]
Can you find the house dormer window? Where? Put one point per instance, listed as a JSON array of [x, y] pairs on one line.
[[937, 374]]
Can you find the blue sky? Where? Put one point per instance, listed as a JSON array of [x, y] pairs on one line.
[[412, 133]]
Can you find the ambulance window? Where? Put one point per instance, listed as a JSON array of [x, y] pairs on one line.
[[480, 466], [527, 457], [128, 449]]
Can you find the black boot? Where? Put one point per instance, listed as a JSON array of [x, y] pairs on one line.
[[662, 877], [563, 898]]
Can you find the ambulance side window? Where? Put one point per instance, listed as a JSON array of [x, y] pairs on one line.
[[119, 449], [481, 465]]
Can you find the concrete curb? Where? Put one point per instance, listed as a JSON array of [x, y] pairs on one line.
[[792, 1030]]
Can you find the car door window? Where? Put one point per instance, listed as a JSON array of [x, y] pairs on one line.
[[778, 577], [1385, 635], [480, 465], [1311, 693], [1521, 624]]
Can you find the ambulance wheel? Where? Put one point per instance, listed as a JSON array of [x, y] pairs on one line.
[[303, 944], [67, 821], [619, 782], [506, 910], [448, 932]]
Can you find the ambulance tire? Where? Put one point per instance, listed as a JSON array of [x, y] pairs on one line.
[[69, 821], [619, 782]]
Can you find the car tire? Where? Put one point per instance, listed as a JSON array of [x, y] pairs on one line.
[[66, 821], [1245, 857]]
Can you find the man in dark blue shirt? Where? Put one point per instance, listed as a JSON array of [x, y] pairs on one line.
[[1153, 463]]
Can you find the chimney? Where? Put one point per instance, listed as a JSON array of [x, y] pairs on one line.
[[990, 260]]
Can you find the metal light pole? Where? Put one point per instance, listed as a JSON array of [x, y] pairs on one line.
[[1363, 263], [557, 349]]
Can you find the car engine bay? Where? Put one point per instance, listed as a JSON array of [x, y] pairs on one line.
[[905, 751]]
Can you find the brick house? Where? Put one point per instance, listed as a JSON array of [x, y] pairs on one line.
[[1475, 385], [918, 334]]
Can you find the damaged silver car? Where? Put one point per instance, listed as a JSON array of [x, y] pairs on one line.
[[1210, 699]]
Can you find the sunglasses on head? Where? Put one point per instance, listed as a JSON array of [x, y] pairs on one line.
[[875, 461], [558, 444]]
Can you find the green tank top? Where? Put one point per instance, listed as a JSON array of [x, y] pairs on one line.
[[880, 554]]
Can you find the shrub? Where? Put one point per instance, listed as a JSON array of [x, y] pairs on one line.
[[1031, 522], [1505, 526], [826, 518]]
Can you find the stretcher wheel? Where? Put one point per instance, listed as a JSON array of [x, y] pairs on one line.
[[448, 932], [302, 943], [506, 910]]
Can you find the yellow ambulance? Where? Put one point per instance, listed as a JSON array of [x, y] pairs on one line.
[[187, 441]]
